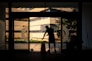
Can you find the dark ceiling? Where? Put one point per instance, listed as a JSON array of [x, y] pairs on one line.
[[40, 4]]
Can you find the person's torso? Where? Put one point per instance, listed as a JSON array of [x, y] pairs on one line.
[[50, 32]]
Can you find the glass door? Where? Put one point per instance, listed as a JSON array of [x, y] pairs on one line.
[[37, 31], [21, 34]]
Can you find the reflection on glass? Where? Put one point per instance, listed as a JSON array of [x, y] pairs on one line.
[[69, 29]]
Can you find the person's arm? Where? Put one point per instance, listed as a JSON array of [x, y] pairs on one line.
[[44, 35]]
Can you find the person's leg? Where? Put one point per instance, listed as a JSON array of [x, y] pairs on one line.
[[55, 47], [49, 47]]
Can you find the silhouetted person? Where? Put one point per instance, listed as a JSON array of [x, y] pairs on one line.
[[51, 38]]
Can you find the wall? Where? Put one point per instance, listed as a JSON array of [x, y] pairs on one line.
[[87, 25], [2, 27]]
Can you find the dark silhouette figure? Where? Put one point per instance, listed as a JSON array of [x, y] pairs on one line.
[[43, 51], [50, 32]]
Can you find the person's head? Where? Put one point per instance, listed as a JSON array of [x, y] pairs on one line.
[[46, 27]]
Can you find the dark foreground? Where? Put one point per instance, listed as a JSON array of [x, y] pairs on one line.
[[36, 56]]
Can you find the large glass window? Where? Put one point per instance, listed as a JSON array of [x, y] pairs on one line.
[[31, 30], [7, 27], [37, 30], [7, 33], [21, 34]]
